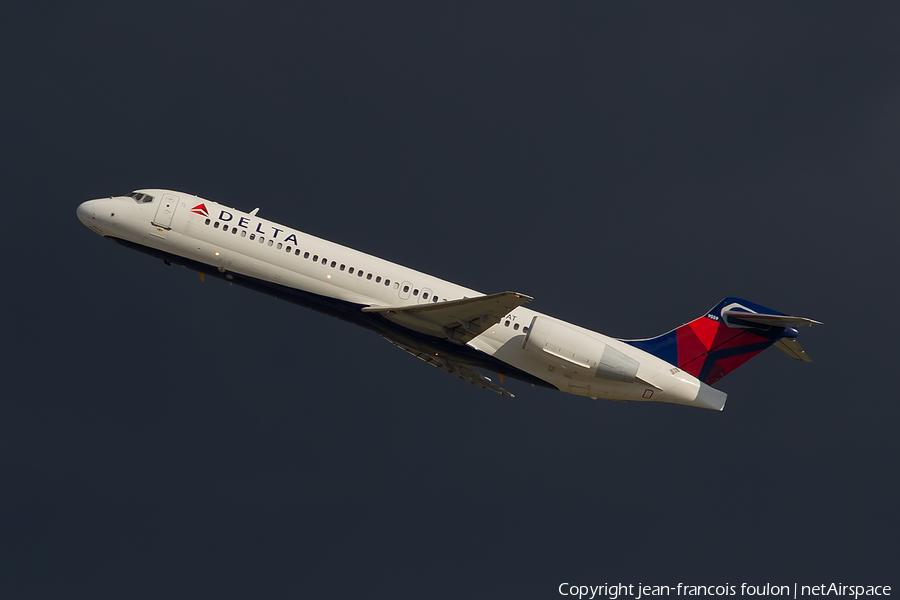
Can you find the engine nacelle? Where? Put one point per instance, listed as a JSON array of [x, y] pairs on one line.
[[581, 355]]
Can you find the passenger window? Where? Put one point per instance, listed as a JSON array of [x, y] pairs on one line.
[[324, 261], [378, 279], [516, 326], [342, 267], [506, 324], [287, 249], [297, 252], [234, 230], [405, 288], [425, 295], [261, 239], [369, 277], [279, 245], [359, 273], [207, 221], [351, 270], [306, 255], [333, 264], [225, 228], [315, 258], [525, 330], [434, 298], [216, 225], [252, 236], [387, 282], [271, 242], [415, 292], [244, 233]]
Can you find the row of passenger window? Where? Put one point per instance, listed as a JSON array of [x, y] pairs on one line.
[[315, 258], [515, 326]]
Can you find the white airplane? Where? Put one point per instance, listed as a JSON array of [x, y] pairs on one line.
[[448, 326]]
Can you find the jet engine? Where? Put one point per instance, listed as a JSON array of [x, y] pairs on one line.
[[578, 354]]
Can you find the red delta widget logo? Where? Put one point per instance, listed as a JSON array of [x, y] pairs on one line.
[[200, 209]]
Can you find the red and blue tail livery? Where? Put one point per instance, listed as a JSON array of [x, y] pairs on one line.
[[731, 333]]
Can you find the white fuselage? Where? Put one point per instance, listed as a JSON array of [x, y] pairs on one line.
[[240, 243]]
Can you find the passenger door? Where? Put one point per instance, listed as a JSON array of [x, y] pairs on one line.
[[167, 205]]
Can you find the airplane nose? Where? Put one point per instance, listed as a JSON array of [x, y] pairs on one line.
[[85, 213]]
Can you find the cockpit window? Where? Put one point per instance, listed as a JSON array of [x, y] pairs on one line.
[[141, 198]]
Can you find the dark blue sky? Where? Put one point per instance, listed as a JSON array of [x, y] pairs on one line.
[[628, 165]]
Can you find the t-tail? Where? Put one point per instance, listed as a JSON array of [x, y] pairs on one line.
[[731, 333]]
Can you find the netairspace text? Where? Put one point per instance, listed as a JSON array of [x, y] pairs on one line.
[[612, 591]]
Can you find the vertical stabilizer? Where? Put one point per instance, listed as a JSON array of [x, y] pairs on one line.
[[730, 334]]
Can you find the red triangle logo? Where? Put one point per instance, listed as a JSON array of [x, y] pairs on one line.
[[200, 209], [705, 330]]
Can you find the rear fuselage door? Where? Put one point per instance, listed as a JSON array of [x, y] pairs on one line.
[[167, 205]]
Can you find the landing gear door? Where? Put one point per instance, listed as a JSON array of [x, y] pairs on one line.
[[166, 211]]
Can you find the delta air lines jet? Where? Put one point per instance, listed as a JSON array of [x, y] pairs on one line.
[[448, 326]]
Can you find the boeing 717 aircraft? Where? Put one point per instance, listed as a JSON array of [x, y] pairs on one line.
[[451, 327]]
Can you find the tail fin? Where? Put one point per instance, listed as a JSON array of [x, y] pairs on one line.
[[731, 333]]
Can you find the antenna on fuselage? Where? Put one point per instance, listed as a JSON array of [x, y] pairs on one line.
[[254, 211]]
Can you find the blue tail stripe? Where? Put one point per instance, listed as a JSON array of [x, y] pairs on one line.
[[716, 355], [664, 346]]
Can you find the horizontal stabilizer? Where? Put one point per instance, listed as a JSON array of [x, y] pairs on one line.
[[457, 320], [792, 348], [733, 317]]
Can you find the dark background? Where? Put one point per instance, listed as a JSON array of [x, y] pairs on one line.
[[628, 165]]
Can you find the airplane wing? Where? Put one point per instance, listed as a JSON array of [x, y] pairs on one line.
[[453, 367], [457, 320]]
